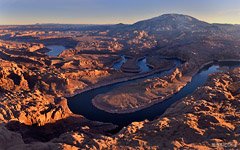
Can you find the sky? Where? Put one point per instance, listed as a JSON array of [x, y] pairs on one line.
[[114, 11]]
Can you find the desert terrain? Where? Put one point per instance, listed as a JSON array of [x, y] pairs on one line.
[[143, 64]]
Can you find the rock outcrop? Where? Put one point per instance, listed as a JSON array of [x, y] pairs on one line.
[[203, 120], [142, 94]]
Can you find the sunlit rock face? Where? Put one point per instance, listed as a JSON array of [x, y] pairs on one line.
[[186, 124]]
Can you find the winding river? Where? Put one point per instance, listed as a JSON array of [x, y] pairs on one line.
[[81, 103]]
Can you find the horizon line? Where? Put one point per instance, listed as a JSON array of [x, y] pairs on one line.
[[105, 24]]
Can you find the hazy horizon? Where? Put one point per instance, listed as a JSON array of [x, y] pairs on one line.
[[25, 12]]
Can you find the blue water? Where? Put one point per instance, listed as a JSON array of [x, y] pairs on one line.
[[55, 50], [118, 65], [142, 63], [81, 103]]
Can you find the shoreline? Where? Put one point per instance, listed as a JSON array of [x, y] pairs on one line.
[[120, 80], [96, 104], [153, 102]]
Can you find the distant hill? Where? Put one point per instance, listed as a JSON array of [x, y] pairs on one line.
[[170, 22]]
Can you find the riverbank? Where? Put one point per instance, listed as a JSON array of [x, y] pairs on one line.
[[120, 80], [98, 102]]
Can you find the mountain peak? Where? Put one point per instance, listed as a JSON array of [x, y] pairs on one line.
[[175, 15], [168, 22]]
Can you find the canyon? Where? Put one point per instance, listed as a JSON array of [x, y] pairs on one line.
[[162, 83]]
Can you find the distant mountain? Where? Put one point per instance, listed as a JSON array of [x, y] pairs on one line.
[[168, 24], [171, 22], [230, 29]]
